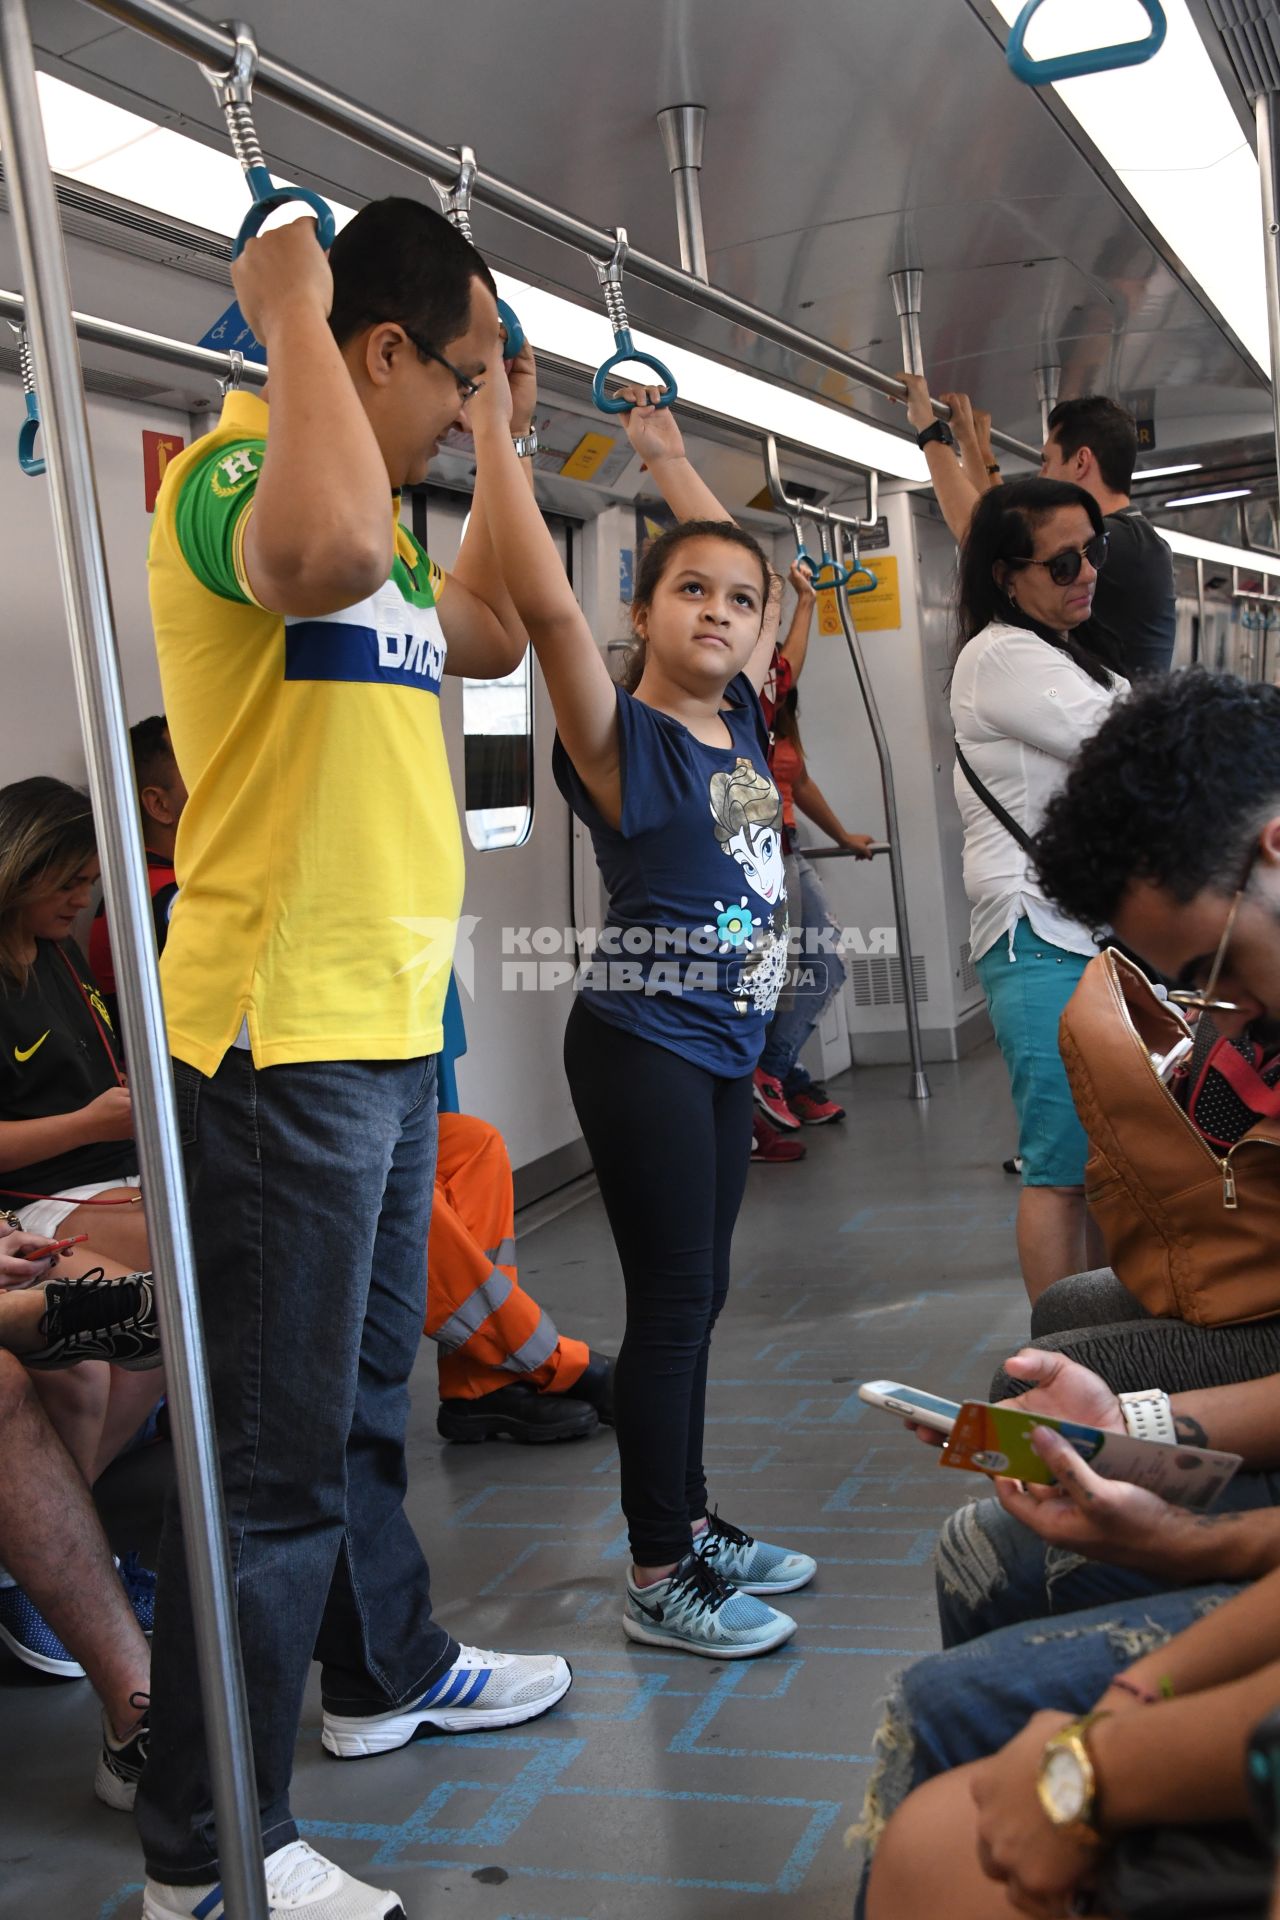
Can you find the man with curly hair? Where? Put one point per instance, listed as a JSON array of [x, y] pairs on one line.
[[1168, 831]]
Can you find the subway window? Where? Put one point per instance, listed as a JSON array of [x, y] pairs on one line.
[[497, 728]]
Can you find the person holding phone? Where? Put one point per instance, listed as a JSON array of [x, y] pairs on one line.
[[68, 1165]]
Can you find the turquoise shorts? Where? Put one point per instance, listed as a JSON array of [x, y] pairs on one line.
[[1025, 998]]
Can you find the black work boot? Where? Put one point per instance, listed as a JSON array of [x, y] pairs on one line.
[[518, 1412], [595, 1385]]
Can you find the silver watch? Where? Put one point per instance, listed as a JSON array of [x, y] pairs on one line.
[[526, 444]]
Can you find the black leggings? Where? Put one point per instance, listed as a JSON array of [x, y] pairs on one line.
[[671, 1145]]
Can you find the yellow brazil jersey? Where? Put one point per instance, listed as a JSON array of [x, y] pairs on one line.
[[319, 858]]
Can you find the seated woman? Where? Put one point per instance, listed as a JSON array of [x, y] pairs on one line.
[[68, 1166]]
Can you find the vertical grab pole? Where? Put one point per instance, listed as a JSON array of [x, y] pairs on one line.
[[1048, 386], [907, 285], [682, 129], [918, 1086], [1263, 108], [100, 698]]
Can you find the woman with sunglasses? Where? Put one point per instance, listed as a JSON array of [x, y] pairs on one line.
[[1024, 697]]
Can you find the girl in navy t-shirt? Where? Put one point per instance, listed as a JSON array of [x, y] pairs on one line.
[[670, 774]]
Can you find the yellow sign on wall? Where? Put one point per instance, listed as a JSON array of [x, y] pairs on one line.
[[588, 456], [879, 611]]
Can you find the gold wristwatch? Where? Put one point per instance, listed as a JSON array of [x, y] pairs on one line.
[[1066, 1782]]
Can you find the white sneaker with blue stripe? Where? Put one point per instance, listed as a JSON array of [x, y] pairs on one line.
[[479, 1690], [750, 1565], [299, 1881], [696, 1610]]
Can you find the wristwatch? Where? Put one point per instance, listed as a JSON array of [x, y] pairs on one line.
[[1149, 1415], [526, 444], [1066, 1783], [937, 430]]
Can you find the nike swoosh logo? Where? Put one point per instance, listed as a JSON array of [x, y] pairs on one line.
[[20, 1054], [654, 1613]]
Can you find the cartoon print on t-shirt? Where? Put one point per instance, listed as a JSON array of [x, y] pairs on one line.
[[747, 811]]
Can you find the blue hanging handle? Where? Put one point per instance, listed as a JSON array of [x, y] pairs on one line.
[[871, 582], [233, 92], [30, 427], [267, 196], [1074, 66], [828, 564], [455, 204], [609, 274], [803, 557], [513, 330]]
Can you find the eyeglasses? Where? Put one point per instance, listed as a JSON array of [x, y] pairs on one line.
[[1065, 567], [1201, 998], [467, 388]]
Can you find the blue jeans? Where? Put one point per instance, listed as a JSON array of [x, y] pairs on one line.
[[817, 973], [1025, 1627], [310, 1189]]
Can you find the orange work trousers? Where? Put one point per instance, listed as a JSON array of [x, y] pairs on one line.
[[488, 1331]]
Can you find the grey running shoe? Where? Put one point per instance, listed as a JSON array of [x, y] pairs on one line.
[[94, 1318]]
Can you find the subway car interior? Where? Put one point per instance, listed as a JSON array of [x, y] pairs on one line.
[[457, 859]]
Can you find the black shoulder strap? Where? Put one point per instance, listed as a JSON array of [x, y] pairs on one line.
[[992, 805]]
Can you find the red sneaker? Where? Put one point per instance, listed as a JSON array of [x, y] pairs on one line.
[[772, 1100], [767, 1144], [814, 1106]]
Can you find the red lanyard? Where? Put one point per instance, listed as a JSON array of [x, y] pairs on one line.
[[94, 1016]]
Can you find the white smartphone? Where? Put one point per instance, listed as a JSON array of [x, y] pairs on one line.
[[925, 1409]]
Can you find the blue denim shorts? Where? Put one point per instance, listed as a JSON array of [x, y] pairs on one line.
[[1025, 998]]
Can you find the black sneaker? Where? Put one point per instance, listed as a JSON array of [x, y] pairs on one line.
[[94, 1318], [519, 1413], [121, 1762]]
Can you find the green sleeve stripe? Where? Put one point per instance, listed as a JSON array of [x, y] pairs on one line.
[[210, 503]]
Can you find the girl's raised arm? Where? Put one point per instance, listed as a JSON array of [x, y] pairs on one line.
[[582, 694]]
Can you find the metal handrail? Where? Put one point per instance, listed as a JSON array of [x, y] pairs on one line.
[[918, 1086], [100, 700], [185, 33], [843, 853], [175, 353]]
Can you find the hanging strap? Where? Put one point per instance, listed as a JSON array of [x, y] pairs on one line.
[[93, 1015], [992, 805]]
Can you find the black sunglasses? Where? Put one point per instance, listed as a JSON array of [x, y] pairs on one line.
[[466, 387], [1065, 567]]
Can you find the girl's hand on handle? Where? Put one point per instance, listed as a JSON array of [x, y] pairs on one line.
[[652, 431], [802, 580]]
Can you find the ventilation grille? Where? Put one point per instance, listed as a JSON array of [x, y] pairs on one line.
[[968, 978], [876, 979], [1250, 32], [89, 214]]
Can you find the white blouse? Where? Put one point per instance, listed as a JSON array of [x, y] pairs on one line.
[[1021, 711]]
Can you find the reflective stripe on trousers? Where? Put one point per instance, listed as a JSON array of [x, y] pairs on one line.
[[486, 1327]]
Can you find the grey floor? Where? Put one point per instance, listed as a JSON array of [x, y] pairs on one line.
[[664, 1784]]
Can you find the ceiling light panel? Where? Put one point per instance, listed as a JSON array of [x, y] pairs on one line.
[[1169, 132]]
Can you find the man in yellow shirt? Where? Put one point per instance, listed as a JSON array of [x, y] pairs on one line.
[[302, 635]]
